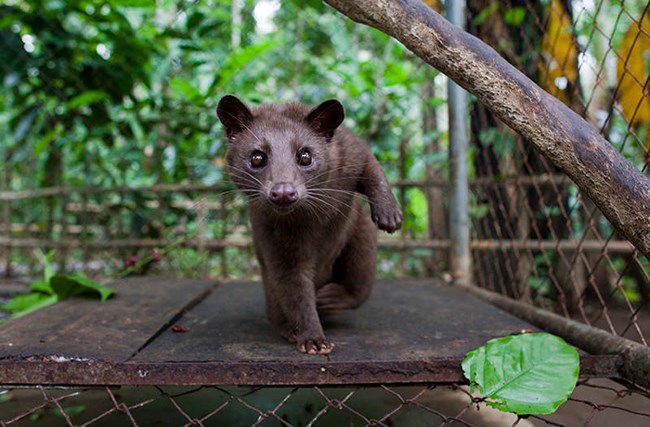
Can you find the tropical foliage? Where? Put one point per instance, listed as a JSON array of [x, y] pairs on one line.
[[122, 93]]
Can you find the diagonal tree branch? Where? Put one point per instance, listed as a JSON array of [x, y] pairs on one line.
[[620, 191]]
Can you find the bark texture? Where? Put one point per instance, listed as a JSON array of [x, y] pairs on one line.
[[620, 191]]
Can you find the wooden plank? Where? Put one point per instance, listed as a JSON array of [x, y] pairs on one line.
[[417, 331], [401, 321], [408, 332], [87, 329]]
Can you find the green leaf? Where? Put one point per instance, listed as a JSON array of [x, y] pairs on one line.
[[514, 16], [46, 139], [417, 209], [524, 374], [86, 98], [71, 285], [397, 73], [436, 101], [184, 89], [41, 286], [23, 304], [486, 13], [6, 21], [240, 58], [48, 271]]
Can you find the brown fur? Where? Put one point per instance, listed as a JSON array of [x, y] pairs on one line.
[[317, 253]]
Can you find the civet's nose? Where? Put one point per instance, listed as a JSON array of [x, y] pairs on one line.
[[283, 194]]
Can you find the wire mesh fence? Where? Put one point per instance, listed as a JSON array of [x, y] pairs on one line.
[[569, 259], [595, 402], [535, 236]]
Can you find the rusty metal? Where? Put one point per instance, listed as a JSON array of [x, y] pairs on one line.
[[98, 373], [304, 373]]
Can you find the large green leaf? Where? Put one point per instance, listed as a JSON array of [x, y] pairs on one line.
[[24, 304], [71, 285], [21, 302], [42, 287], [524, 374]]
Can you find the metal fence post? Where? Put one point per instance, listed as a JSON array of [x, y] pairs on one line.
[[459, 257]]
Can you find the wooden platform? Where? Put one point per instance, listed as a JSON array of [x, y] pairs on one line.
[[408, 332]]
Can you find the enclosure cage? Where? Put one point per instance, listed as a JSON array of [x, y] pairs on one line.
[[91, 104]]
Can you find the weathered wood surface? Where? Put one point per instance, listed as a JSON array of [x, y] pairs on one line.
[[87, 329], [620, 191], [401, 321], [408, 332]]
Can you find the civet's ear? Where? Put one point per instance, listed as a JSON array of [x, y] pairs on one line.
[[234, 115], [325, 118]]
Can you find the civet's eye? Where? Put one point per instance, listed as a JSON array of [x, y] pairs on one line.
[[258, 159], [303, 157]]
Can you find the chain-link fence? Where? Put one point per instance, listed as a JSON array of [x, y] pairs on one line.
[[551, 245], [595, 402], [82, 122], [272, 406]]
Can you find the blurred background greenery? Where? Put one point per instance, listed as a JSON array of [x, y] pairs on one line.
[[123, 93], [111, 151]]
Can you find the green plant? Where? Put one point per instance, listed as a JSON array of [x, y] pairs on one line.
[[52, 288], [524, 374]]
